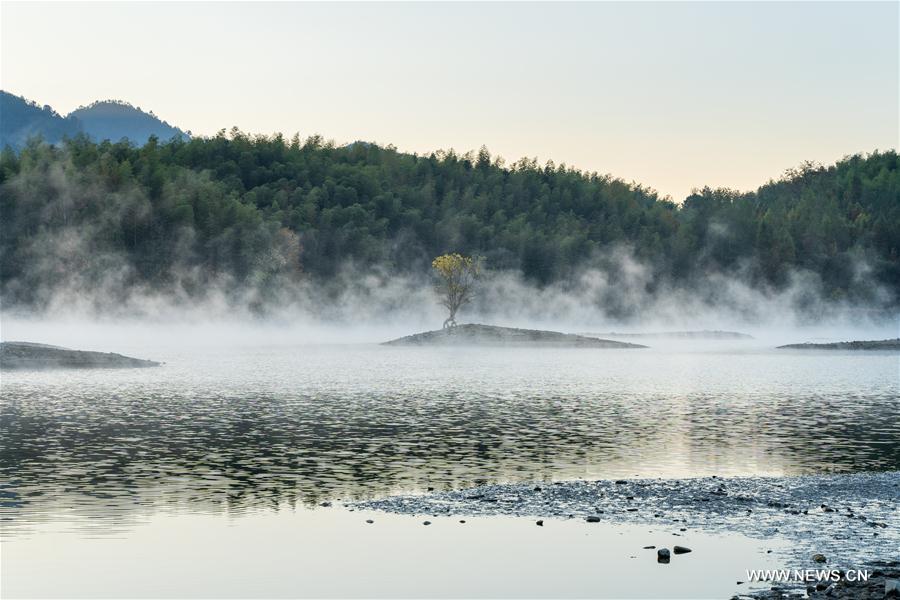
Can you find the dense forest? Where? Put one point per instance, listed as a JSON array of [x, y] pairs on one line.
[[257, 211]]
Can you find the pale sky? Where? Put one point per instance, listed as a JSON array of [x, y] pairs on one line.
[[671, 95]]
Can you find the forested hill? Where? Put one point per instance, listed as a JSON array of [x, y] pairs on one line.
[[114, 120], [22, 119], [264, 210]]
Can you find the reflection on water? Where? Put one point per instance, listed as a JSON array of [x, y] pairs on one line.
[[333, 553], [270, 427]]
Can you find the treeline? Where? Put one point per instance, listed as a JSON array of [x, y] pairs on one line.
[[259, 210]]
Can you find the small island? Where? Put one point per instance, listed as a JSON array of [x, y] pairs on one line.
[[473, 334], [679, 335], [891, 344], [32, 356]]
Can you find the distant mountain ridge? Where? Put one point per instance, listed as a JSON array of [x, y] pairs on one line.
[[115, 119], [21, 119]]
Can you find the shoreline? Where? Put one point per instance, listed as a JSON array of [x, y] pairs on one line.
[[852, 520]]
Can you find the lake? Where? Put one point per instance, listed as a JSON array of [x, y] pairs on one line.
[[237, 445]]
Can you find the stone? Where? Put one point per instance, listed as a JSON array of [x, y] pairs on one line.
[[369, 521], [593, 519], [649, 547], [819, 558], [426, 522], [662, 555], [539, 523], [325, 504], [682, 549]]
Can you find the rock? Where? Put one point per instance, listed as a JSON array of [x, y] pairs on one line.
[[620, 481], [662, 555], [537, 488], [426, 522], [462, 520], [593, 519], [649, 547], [819, 558], [369, 521], [325, 504], [539, 523], [682, 549]]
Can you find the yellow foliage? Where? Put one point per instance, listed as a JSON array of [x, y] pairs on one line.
[[456, 277]]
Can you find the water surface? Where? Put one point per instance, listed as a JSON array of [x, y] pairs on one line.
[[269, 427]]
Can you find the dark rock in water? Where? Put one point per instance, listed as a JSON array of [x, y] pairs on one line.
[[819, 558], [649, 547], [891, 344], [681, 550], [490, 335], [426, 522], [369, 521], [539, 523], [31, 356], [662, 555], [462, 520], [325, 504], [593, 519]]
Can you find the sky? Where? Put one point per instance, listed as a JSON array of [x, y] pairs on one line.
[[671, 95]]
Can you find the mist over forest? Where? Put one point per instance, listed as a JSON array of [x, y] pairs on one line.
[[262, 225]]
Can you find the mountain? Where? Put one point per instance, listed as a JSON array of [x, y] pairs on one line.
[[113, 120], [21, 119]]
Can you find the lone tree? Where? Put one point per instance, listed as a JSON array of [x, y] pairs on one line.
[[456, 278]]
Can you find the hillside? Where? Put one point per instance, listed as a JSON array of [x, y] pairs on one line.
[[259, 212], [114, 120], [21, 119]]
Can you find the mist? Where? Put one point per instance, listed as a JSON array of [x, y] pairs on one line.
[[614, 293]]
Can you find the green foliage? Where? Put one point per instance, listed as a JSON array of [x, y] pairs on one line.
[[257, 208]]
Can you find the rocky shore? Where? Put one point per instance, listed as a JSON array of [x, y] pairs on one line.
[[32, 356], [892, 344], [490, 335], [845, 521], [883, 583]]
